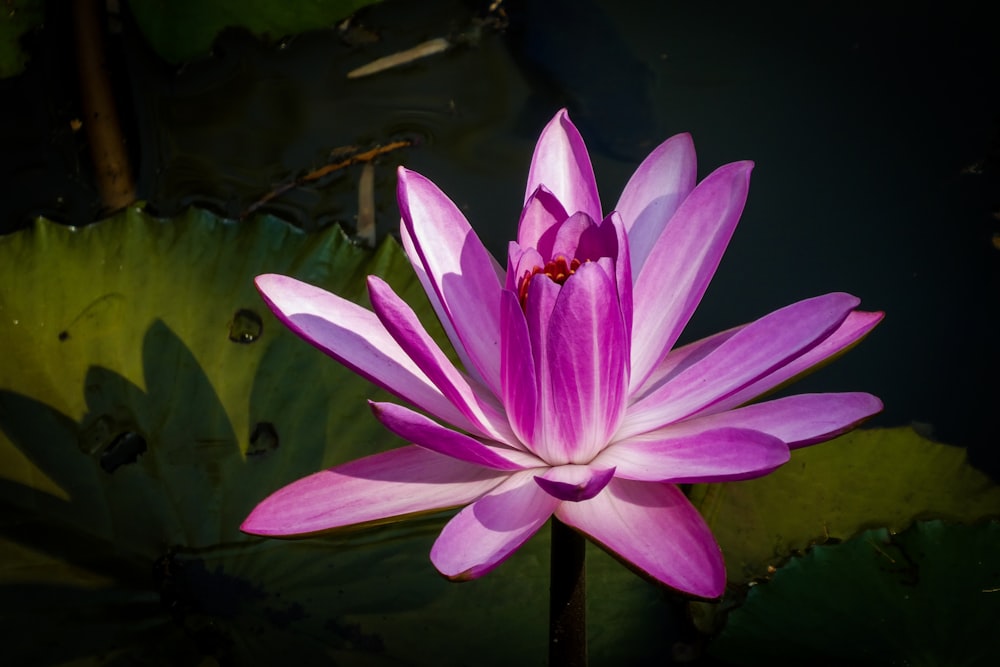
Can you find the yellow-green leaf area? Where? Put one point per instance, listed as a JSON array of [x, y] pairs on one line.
[[147, 334], [867, 478]]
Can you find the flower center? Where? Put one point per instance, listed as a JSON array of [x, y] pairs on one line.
[[558, 270]]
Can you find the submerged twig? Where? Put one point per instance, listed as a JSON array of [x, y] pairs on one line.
[[316, 174]]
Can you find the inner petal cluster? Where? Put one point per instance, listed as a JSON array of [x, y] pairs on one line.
[[557, 269]]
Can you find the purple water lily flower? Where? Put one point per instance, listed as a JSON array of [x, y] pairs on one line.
[[571, 400]]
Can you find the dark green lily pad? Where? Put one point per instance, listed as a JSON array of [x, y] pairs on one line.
[[17, 18], [867, 478], [927, 596], [148, 399], [181, 30]]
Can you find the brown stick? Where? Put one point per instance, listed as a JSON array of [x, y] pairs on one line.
[[100, 118], [316, 174]]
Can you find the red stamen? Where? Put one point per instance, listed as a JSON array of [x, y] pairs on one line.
[[557, 270]]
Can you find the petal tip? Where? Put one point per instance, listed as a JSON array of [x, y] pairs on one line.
[[375, 282], [736, 172], [259, 523], [712, 593], [578, 490], [461, 577], [267, 280]]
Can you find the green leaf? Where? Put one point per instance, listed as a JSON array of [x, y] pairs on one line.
[[125, 326], [867, 478], [17, 18], [927, 596], [119, 334], [181, 30]]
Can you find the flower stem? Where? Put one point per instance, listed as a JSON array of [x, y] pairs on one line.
[[567, 598]]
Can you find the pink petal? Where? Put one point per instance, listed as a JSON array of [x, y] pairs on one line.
[[716, 455], [568, 235], [587, 353], [857, 325], [459, 268], [353, 336], [754, 351], [439, 309], [521, 262], [799, 420], [427, 433], [574, 483], [654, 192], [486, 533], [679, 359], [376, 489], [517, 369], [681, 264], [402, 324], [542, 295], [561, 163], [581, 238], [655, 529], [540, 219], [623, 269]]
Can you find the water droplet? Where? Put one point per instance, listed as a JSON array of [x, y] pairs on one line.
[[125, 448], [263, 439], [245, 327]]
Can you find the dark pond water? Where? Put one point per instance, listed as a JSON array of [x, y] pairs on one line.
[[874, 129]]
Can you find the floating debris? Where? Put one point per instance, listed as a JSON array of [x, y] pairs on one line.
[[422, 50]]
